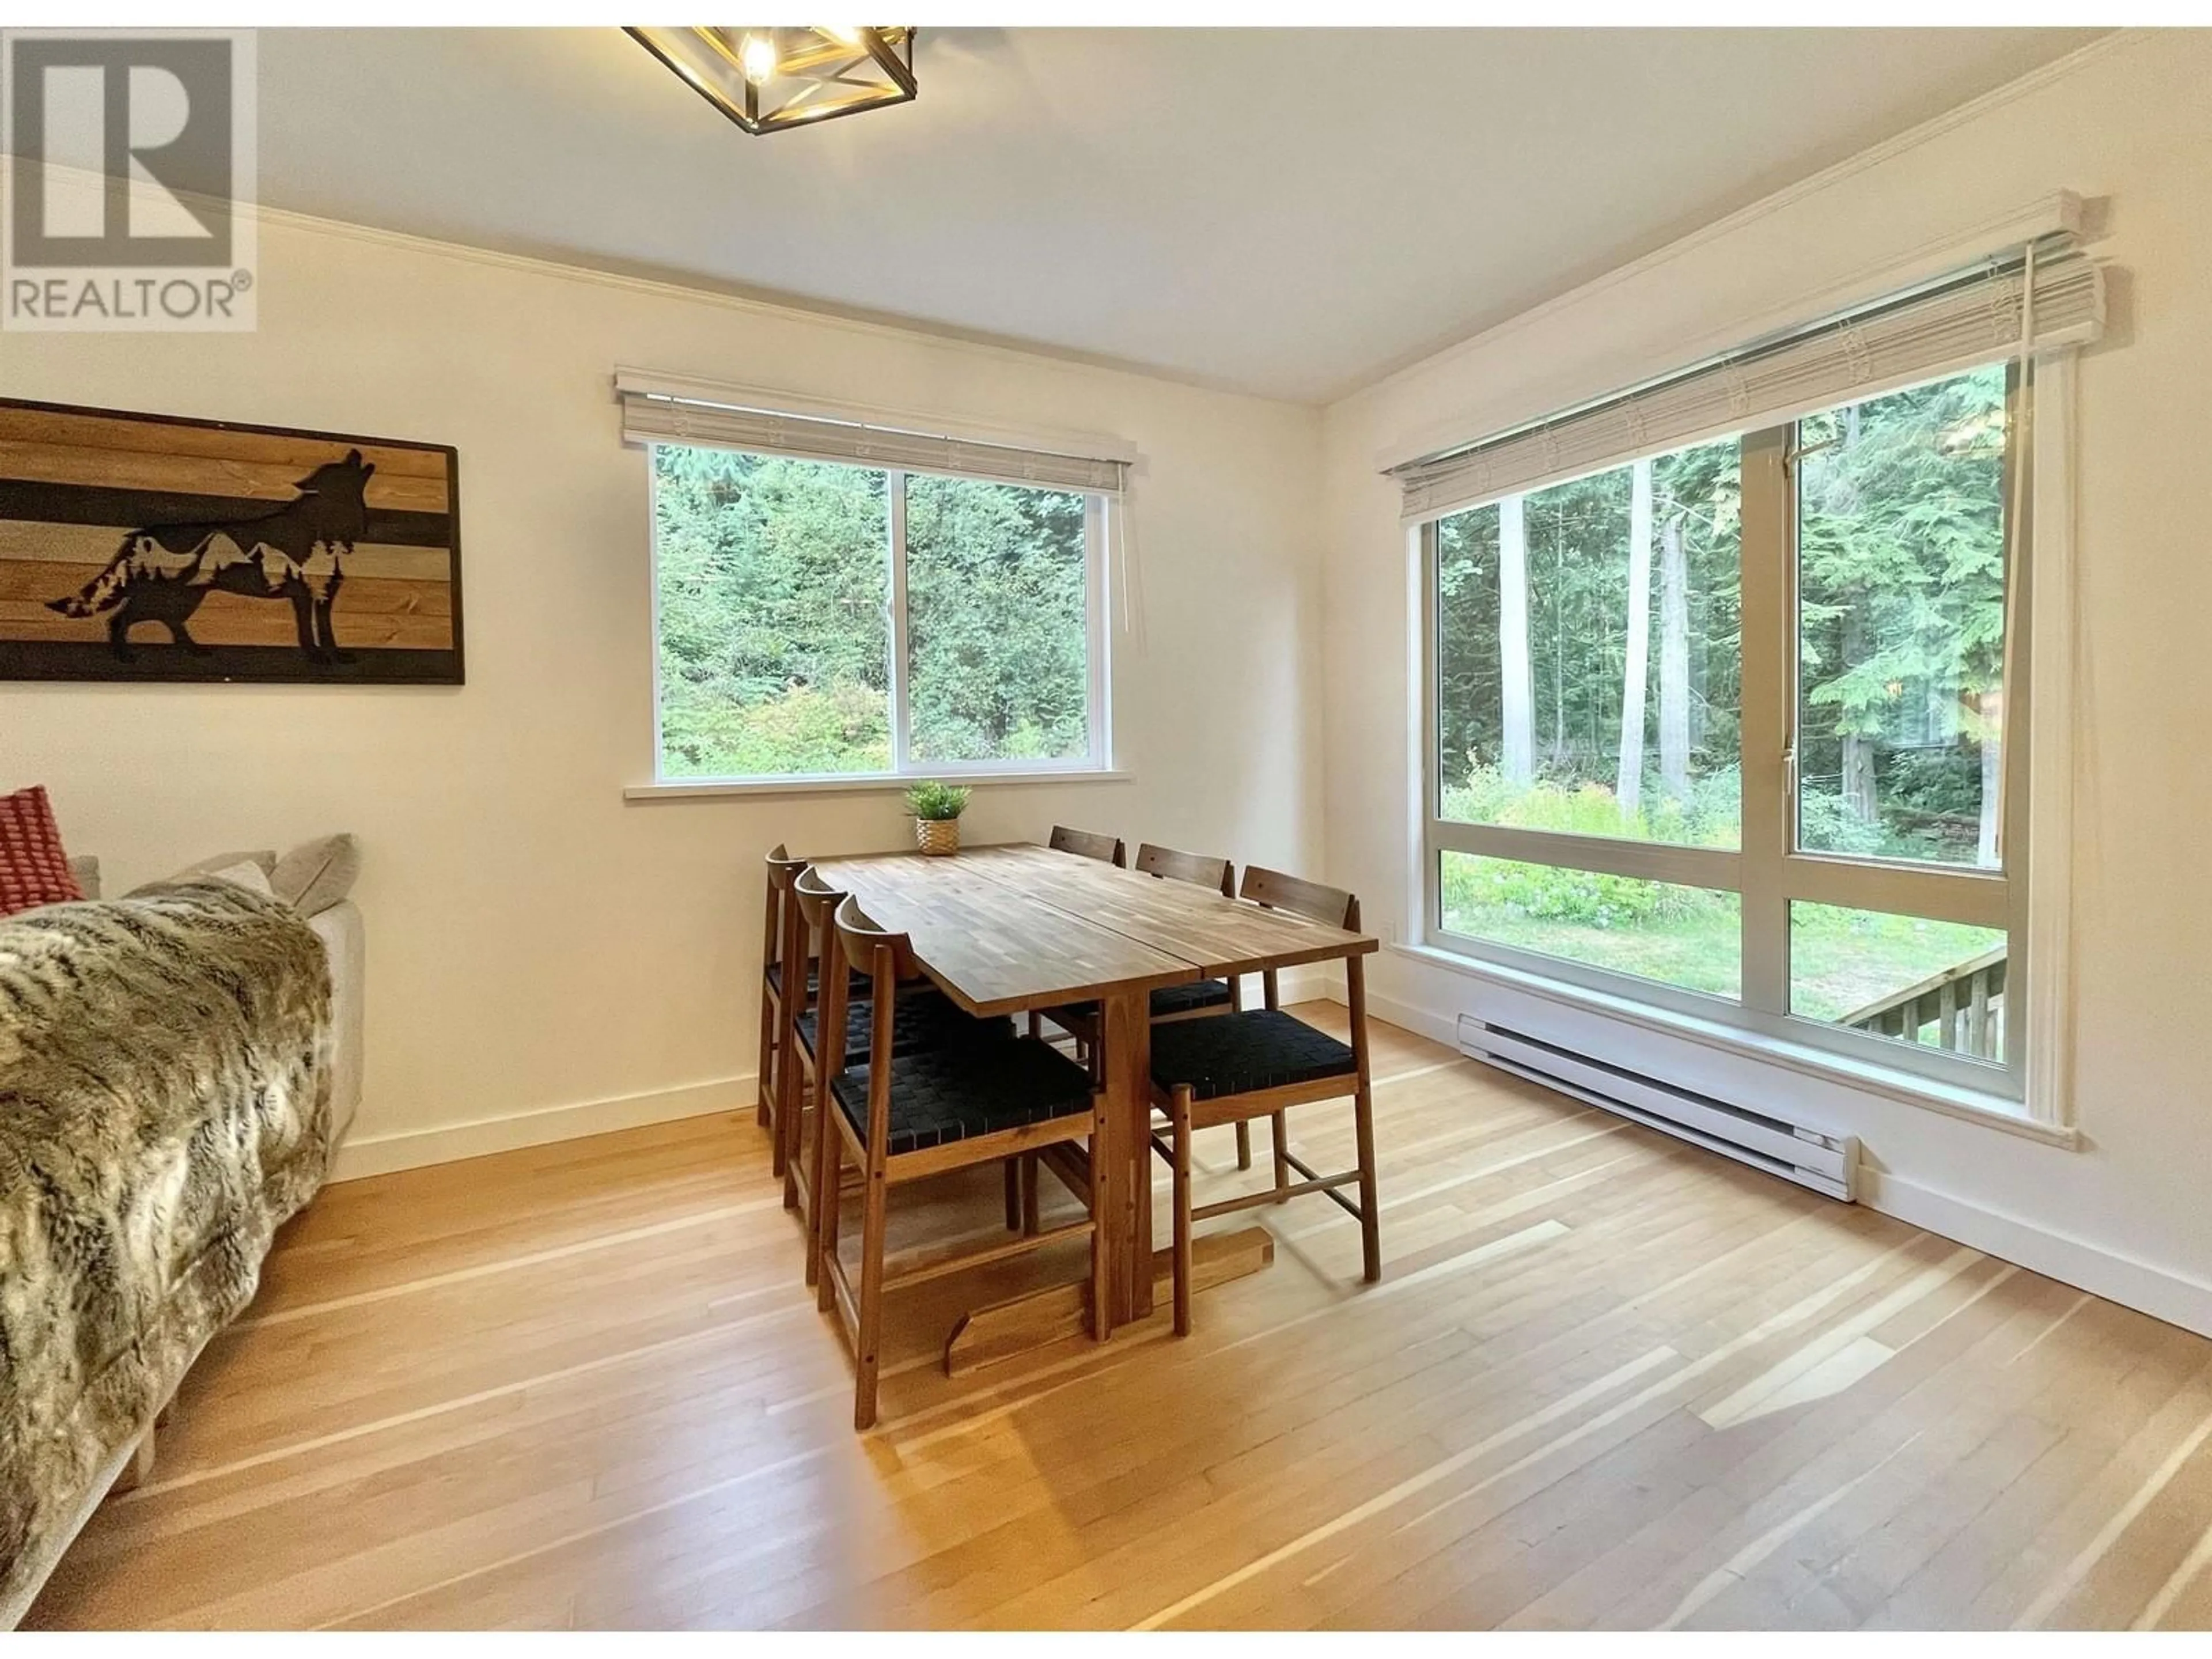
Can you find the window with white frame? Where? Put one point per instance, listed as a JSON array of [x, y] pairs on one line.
[[1733, 725], [821, 618]]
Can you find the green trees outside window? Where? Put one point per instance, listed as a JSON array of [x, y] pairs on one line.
[[774, 583], [1901, 612], [998, 644], [1587, 651]]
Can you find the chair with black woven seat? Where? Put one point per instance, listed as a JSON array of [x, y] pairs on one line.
[[1260, 1062], [794, 980], [796, 963], [901, 1116], [1200, 998], [927, 1019], [782, 871], [1196, 999], [1107, 849], [1204, 996]]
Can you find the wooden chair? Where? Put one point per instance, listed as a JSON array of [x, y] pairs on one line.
[[1199, 999], [1259, 1063], [813, 904], [1085, 843], [903, 1116], [927, 1019], [775, 1018]]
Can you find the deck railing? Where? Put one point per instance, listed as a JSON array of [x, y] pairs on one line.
[[1964, 1005]]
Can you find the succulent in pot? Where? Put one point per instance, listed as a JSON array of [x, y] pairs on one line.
[[937, 808]]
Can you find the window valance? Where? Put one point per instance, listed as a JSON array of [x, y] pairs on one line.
[[2036, 298], [659, 411]]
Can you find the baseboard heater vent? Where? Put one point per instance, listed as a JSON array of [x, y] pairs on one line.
[[1828, 1163]]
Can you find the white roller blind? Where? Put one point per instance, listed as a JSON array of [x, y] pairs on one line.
[[1973, 317], [664, 417]]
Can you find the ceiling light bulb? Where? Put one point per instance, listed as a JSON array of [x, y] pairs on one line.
[[758, 57]]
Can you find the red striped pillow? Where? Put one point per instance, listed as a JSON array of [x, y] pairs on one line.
[[34, 869]]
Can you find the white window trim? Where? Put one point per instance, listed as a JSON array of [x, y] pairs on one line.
[[1098, 765], [2044, 1109]]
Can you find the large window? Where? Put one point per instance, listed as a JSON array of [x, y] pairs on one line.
[[1724, 728], [820, 620]]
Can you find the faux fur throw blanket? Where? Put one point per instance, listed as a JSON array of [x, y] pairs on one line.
[[164, 1067]]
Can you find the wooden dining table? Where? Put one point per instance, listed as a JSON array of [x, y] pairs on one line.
[[1009, 929]]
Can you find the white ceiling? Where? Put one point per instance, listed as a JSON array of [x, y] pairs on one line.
[[1285, 211]]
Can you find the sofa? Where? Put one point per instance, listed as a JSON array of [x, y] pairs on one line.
[[177, 1067]]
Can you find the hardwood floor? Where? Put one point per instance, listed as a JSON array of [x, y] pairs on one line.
[[1607, 1380]]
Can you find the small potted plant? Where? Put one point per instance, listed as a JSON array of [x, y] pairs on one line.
[[937, 808]]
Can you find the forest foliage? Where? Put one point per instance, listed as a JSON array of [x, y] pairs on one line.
[[1901, 620], [773, 584]]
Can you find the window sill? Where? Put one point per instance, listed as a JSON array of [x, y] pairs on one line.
[[707, 789], [1991, 1112]]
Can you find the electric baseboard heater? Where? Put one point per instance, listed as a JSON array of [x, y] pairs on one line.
[[1796, 1151]]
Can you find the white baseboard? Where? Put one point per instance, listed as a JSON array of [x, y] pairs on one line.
[[410, 1149], [1437, 1028], [1316, 982], [2158, 1292]]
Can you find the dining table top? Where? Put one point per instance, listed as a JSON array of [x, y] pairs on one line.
[[1003, 928]]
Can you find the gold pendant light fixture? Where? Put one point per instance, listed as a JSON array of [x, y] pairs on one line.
[[768, 79]]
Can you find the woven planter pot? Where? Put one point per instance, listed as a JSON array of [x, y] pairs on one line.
[[936, 837]]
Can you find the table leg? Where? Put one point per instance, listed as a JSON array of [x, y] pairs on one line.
[[1135, 1274], [1128, 1035]]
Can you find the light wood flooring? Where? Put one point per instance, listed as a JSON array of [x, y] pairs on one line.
[[1608, 1380]]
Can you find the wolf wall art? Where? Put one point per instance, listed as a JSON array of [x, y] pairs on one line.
[[148, 547]]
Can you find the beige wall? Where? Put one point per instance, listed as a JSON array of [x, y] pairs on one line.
[[535, 942], [2130, 123]]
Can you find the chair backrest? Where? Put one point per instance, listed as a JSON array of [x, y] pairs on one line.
[[1171, 865], [1085, 843], [886, 958], [813, 903], [1309, 899], [782, 871], [817, 898], [869, 948]]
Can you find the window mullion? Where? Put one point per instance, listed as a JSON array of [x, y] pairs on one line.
[[1976, 898], [895, 487], [2017, 690], [1769, 702], [1430, 876], [1711, 867], [1098, 628]]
